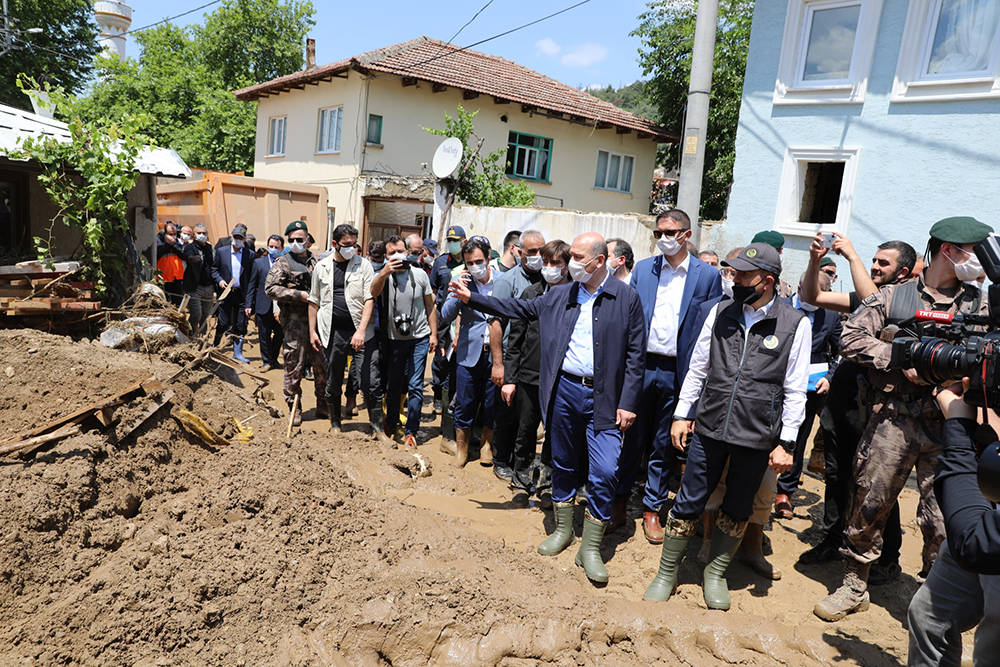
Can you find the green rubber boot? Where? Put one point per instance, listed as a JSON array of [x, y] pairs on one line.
[[589, 555], [726, 539], [663, 584], [562, 536]]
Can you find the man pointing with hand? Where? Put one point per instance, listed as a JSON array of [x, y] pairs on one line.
[[590, 384]]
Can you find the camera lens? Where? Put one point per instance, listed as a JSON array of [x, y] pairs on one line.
[[937, 361]]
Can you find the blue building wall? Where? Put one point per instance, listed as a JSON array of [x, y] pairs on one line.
[[920, 161]]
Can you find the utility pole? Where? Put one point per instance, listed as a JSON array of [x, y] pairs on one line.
[[699, 91], [8, 38]]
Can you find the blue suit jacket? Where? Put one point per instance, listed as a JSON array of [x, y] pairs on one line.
[[256, 298], [473, 329], [619, 342], [703, 283], [222, 268]]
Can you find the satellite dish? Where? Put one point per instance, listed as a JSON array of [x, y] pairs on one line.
[[447, 157]]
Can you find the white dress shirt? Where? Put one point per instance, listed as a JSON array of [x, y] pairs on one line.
[[667, 308], [580, 352], [486, 289], [236, 265], [796, 375]]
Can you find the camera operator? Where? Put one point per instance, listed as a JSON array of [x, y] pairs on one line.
[[963, 588], [904, 424]]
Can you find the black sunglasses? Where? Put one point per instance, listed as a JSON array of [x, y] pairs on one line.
[[669, 233]]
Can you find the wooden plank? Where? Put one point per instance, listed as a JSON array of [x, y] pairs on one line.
[[141, 419], [40, 440], [34, 267]]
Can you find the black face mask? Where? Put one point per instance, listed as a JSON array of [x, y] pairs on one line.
[[746, 294]]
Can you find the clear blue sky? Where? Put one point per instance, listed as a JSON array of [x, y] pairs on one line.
[[586, 46]]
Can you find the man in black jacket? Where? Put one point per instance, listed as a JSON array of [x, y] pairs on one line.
[[266, 315], [198, 283]]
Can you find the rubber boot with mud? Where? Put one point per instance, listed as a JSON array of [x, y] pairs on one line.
[[852, 595], [297, 417], [751, 553], [708, 525], [462, 436], [335, 416], [676, 535], [726, 539], [377, 421], [589, 555], [562, 536], [238, 352], [486, 448]]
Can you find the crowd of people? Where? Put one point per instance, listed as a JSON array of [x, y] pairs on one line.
[[688, 379]]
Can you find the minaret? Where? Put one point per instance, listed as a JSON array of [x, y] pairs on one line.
[[114, 19]]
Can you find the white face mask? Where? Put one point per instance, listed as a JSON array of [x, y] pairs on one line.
[[399, 256], [346, 252], [808, 307], [552, 274], [237, 244], [185, 237], [428, 260], [727, 287], [478, 271], [669, 245], [533, 263], [297, 247], [201, 238], [578, 270], [969, 269]]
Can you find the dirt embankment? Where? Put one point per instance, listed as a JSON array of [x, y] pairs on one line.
[[160, 551]]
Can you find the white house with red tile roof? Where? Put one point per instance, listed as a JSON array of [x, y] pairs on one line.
[[357, 126]]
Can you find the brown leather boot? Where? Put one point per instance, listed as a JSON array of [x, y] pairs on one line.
[[708, 525], [461, 447], [486, 449], [619, 513], [651, 526], [750, 553], [297, 417]]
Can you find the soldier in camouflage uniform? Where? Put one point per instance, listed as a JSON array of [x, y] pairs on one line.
[[904, 423], [288, 283]]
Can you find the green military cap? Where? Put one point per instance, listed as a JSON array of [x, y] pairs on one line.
[[827, 261], [298, 224], [771, 238], [960, 230]]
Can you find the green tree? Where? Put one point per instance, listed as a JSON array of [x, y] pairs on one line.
[[631, 98], [184, 78], [667, 33], [482, 181], [62, 53]]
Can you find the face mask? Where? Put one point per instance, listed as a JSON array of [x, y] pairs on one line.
[[347, 252], [969, 269], [808, 307], [727, 286], [297, 247], [399, 257], [237, 244], [533, 263], [185, 237], [745, 294], [669, 245], [377, 265], [552, 274], [201, 238], [578, 271], [478, 271], [274, 253], [428, 260], [455, 247], [413, 259]]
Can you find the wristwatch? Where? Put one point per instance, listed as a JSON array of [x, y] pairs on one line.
[[788, 446]]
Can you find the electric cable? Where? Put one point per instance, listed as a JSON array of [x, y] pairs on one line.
[[452, 40], [168, 20]]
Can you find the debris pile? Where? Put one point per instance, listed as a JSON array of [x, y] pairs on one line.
[[33, 290]]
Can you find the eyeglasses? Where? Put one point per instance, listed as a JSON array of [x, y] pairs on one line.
[[832, 274], [669, 233]]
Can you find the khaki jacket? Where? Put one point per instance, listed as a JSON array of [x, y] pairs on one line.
[[357, 290]]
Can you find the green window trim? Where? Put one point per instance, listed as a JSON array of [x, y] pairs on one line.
[[529, 157], [374, 129]]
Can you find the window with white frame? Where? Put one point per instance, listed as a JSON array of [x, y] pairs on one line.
[[276, 136], [817, 190], [614, 171], [950, 50], [826, 51], [330, 121]]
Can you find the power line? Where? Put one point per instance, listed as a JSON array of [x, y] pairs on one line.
[[168, 20], [470, 21]]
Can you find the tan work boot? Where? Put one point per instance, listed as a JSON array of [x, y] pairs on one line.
[[708, 525], [852, 595], [486, 449], [297, 417], [751, 553], [447, 446], [462, 447]]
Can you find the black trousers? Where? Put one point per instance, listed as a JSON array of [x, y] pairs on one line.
[[789, 481], [271, 337], [338, 351], [232, 317], [840, 420], [439, 374], [506, 425], [529, 412]]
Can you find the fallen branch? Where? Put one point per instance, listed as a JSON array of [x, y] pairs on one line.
[[41, 439], [47, 286]]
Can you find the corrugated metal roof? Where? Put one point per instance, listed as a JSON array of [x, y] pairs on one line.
[[15, 124]]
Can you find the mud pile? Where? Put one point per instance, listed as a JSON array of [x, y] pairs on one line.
[[158, 550]]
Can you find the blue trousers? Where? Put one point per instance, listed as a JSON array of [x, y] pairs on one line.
[[407, 361], [651, 433], [573, 437], [474, 388], [706, 459]]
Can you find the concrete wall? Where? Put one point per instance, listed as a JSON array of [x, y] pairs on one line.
[[494, 223], [919, 161], [406, 111]]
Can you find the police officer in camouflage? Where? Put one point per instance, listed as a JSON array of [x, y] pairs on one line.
[[288, 283], [904, 426]]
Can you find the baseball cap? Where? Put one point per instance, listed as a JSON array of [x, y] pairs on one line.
[[431, 245], [239, 230], [482, 239], [756, 256], [455, 232]]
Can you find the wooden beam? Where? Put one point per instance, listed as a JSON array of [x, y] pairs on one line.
[[500, 100], [643, 135], [439, 87], [527, 108], [578, 119], [409, 81], [604, 126], [623, 130], [469, 94], [314, 82]]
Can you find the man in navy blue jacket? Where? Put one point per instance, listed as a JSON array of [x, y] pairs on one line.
[[672, 287], [233, 264], [590, 385], [266, 316]]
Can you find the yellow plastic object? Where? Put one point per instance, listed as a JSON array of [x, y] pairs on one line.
[[243, 433], [194, 424]]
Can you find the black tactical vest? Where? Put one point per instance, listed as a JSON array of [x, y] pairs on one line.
[[743, 395]]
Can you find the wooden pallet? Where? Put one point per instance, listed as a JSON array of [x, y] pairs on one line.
[[25, 290]]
